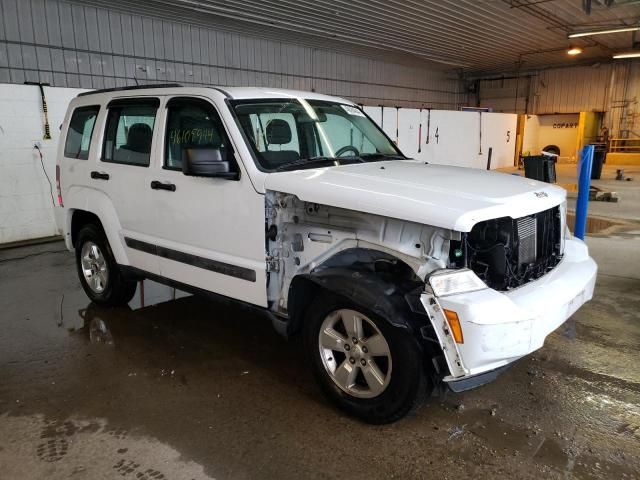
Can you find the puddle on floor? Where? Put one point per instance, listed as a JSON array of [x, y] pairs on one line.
[[598, 225], [152, 293], [491, 436], [75, 304], [143, 366]]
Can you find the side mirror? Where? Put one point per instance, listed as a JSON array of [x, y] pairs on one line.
[[207, 162]]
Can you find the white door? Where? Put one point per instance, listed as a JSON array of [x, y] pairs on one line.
[[209, 231], [78, 157], [124, 172]]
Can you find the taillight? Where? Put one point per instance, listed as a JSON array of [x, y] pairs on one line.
[[58, 186]]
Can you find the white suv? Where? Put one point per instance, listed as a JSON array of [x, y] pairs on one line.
[[398, 274]]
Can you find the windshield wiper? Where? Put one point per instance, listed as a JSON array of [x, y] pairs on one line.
[[303, 162], [374, 157]]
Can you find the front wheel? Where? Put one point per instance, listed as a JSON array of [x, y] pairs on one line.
[[98, 271], [364, 365]]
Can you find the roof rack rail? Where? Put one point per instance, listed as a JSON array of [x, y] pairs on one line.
[[135, 87]]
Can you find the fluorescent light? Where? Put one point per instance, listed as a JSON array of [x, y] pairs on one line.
[[574, 51], [627, 55], [603, 31]]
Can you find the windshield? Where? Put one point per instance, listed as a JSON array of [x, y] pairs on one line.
[[295, 133]]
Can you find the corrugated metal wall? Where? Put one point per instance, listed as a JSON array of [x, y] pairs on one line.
[[569, 90], [73, 45], [501, 94], [613, 88], [566, 90], [624, 112]]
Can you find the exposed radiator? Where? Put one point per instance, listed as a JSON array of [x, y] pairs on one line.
[[509, 252], [527, 239]]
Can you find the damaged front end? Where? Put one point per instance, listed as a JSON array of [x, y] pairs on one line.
[[378, 262], [511, 283], [476, 301], [303, 237], [507, 253]]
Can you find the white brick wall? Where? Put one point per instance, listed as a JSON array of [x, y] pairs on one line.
[[25, 201]]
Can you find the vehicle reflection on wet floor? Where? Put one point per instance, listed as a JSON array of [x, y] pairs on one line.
[[76, 315]]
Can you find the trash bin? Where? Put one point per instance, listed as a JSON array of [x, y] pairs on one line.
[[599, 155], [550, 169], [540, 167], [533, 167]]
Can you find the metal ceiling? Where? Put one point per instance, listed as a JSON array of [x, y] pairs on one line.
[[477, 37]]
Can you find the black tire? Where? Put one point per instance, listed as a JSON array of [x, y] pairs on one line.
[[116, 290], [408, 385]]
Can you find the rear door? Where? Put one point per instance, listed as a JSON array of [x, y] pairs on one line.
[[74, 161], [209, 231], [125, 170], [72, 170]]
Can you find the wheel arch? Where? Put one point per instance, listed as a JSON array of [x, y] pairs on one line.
[[80, 218], [94, 206], [375, 280]]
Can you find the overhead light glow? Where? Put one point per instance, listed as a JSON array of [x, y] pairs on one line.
[[603, 31], [627, 55], [574, 51]]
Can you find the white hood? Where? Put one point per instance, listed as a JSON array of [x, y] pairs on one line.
[[449, 197]]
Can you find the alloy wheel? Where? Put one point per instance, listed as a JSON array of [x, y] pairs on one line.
[[355, 353], [94, 267]]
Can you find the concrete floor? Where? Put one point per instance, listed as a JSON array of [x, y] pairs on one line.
[[627, 208], [190, 389]]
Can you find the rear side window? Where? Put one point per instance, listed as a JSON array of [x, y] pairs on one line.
[[79, 133], [193, 125], [129, 132]]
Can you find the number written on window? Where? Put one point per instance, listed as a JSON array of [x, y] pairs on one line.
[[192, 126]]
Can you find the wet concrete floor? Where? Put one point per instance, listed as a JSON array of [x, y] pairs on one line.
[[191, 389]]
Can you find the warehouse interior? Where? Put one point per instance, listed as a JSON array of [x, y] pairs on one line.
[[181, 385]]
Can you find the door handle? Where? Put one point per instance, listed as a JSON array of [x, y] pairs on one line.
[[157, 185], [100, 175]]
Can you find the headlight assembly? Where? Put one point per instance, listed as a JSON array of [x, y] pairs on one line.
[[452, 282]]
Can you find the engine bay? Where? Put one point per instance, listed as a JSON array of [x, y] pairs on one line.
[[507, 253]]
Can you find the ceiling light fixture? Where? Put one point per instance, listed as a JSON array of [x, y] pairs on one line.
[[627, 55], [574, 51], [603, 31]]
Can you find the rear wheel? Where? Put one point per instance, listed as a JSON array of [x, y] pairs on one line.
[[364, 365], [98, 271]]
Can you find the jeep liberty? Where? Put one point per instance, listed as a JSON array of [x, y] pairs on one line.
[[398, 275]]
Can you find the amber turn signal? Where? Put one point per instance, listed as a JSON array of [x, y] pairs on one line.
[[454, 325]]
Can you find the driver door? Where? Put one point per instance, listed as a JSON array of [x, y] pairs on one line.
[[209, 231]]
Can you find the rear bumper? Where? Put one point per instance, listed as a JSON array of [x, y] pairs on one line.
[[59, 215], [501, 327], [62, 225]]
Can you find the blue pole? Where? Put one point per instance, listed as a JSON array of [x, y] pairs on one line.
[[585, 165]]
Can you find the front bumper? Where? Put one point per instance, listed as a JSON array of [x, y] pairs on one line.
[[501, 327]]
